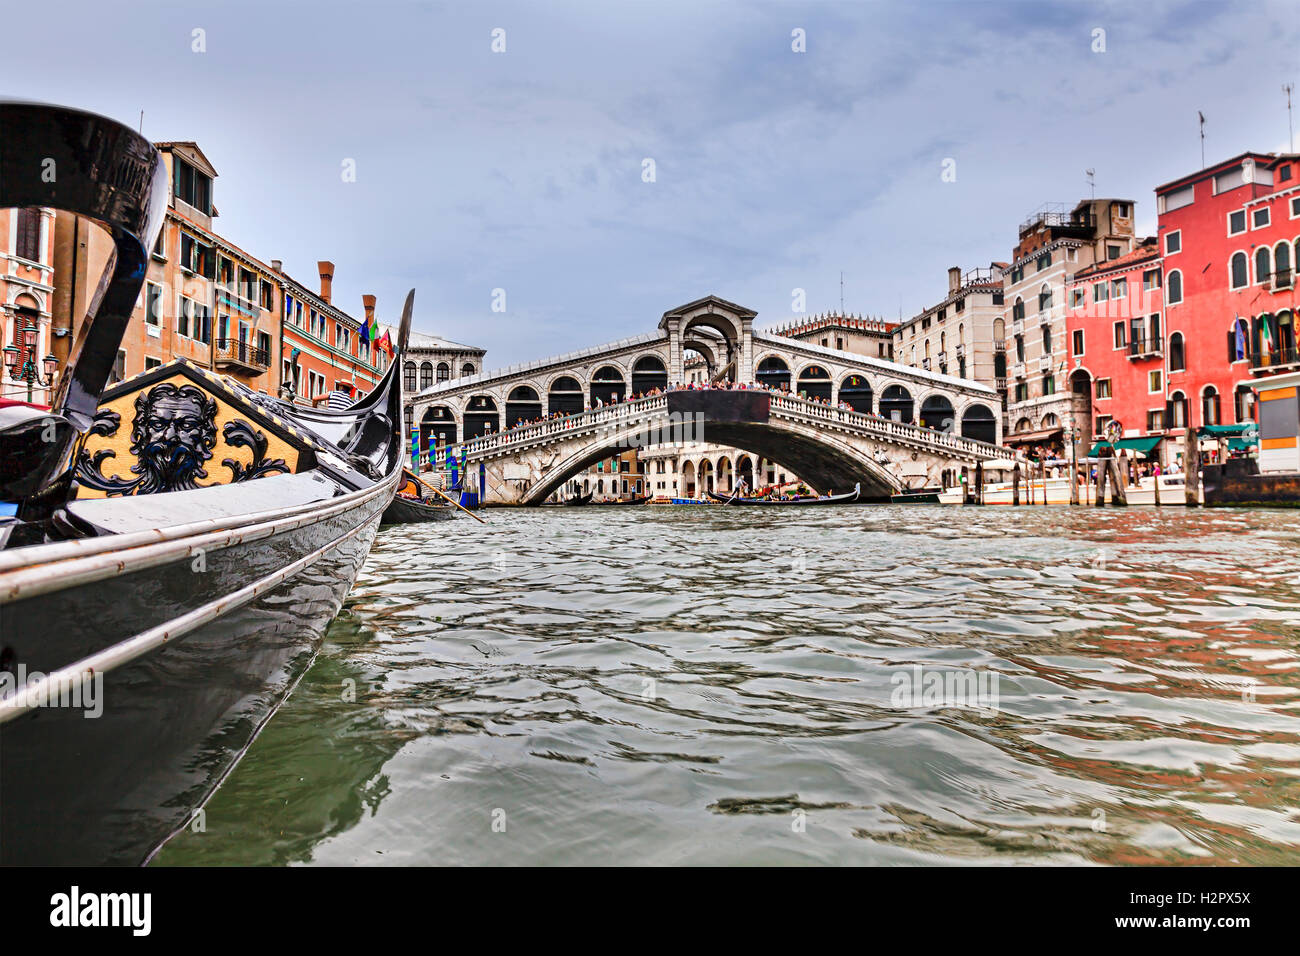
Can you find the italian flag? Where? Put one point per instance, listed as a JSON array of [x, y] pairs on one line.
[[1266, 335]]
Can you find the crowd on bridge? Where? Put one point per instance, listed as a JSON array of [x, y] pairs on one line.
[[615, 400]]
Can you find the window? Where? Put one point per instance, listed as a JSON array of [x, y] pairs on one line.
[[153, 310], [1119, 289], [1044, 299], [1043, 261], [1239, 278], [408, 377], [1237, 222], [1022, 392], [1049, 384], [1017, 274], [467, 369], [1295, 207], [1238, 341], [1284, 174], [1020, 348], [1174, 288], [1210, 406], [160, 246], [1121, 210], [1077, 341], [1155, 420], [151, 363], [1155, 381], [1076, 298], [1177, 411], [1099, 427], [197, 257], [1282, 264], [1262, 260], [1103, 388], [1114, 252], [1177, 199], [192, 186], [1047, 339], [444, 371], [1100, 292], [29, 235], [1151, 279], [426, 375], [119, 368], [1121, 335], [1174, 242], [1018, 310], [1259, 218]]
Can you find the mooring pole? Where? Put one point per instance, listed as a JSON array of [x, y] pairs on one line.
[[1103, 467], [1191, 468], [1015, 485]]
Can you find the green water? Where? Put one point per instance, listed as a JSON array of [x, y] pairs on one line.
[[712, 685]]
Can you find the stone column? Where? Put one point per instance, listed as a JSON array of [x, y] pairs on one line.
[[675, 371], [745, 360]]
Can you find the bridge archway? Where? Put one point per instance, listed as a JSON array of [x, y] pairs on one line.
[[773, 373], [437, 427], [937, 413], [977, 422], [648, 373], [565, 396], [481, 416], [815, 382], [522, 404], [607, 386], [688, 479], [855, 392], [896, 404]]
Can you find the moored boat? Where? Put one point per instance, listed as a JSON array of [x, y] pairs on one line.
[[579, 500], [414, 503], [807, 500], [170, 560]]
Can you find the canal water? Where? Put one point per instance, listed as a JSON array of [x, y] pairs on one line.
[[848, 685]]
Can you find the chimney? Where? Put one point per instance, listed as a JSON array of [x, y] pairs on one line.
[[277, 265], [326, 279], [954, 279], [368, 304]]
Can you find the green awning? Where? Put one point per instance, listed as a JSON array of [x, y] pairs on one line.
[[1215, 430], [1242, 444], [1141, 445]]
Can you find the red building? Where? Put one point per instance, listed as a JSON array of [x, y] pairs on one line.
[[321, 346], [1229, 235], [1114, 332]]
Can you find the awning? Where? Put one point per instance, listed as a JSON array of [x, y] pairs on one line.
[[1020, 438], [1142, 446], [1237, 429], [1242, 444]]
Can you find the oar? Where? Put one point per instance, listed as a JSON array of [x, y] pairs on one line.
[[437, 491]]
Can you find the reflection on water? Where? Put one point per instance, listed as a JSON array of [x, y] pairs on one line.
[[714, 685]]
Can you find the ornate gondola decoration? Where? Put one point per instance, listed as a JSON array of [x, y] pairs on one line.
[[181, 419]]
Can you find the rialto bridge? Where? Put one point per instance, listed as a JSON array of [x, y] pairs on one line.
[[538, 423]]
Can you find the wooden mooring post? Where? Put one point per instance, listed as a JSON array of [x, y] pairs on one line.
[[1015, 485], [1191, 468]]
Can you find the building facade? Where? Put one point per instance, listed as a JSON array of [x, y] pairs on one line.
[[963, 335], [1119, 363], [846, 333], [1053, 244], [1229, 236], [431, 359], [27, 277]]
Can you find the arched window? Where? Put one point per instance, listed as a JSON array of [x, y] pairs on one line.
[[1210, 406], [1239, 277], [1177, 410], [1177, 360], [1044, 298], [426, 375], [1174, 288], [444, 371], [408, 374], [467, 368], [1282, 263], [1262, 260], [999, 330]]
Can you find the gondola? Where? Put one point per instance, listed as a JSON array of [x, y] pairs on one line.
[[172, 547], [578, 500], [823, 500], [624, 501], [928, 497], [415, 504]]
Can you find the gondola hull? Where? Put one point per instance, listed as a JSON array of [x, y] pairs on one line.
[[409, 511], [789, 502], [112, 788]]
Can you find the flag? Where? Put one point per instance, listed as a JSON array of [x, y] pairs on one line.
[[1239, 347], [386, 344], [1266, 335]]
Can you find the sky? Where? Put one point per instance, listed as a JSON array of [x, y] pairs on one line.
[[618, 159]]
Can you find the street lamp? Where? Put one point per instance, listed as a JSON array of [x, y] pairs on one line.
[[22, 363]]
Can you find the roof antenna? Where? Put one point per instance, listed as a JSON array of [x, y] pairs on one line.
[[1092, 181], [1288, 88], [841, 292], [1202, 119], [141, 130]]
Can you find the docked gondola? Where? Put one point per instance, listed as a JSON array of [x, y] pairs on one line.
[[416, 503], [578, 500], [172, 548], [736, 499], [624, 501]]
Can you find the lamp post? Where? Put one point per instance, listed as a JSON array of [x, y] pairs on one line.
[[22, 363]]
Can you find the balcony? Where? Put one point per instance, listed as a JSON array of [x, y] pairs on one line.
[[1275, 360], [239, 355], [1281, 280], [1044, 362], [999, 346], [1018, 370], [1143, 347], [961, 351], [1017, 326]]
